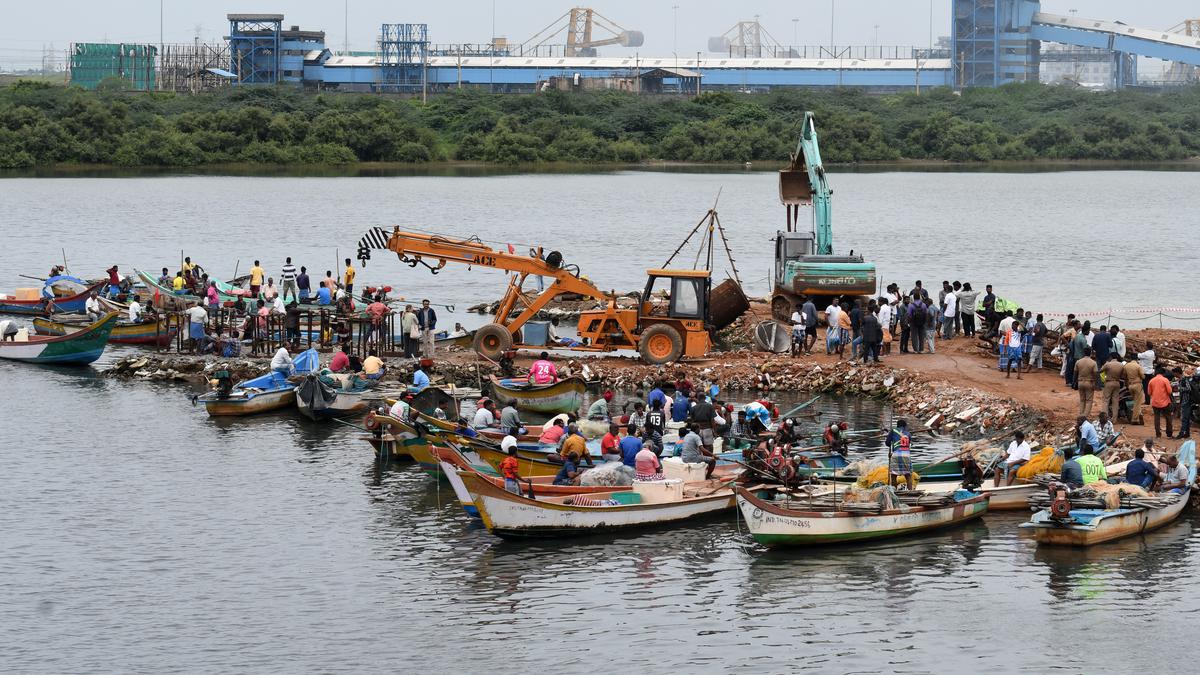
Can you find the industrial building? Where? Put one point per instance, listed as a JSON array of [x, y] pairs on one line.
[[992, 42]]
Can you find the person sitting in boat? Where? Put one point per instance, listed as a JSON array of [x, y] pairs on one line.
[[569, 473], [420, 380], [239, 306], [1139, 472], [164, 279], [1072, 472], [401, 409], [282, 362], [552, 433], [324, 297], [1104, 430], [508, 467], [270, 292], [9, 330], [835, 437], [630, 446], [574, 442], [510, 420], [1091, 466], [694, 451], [599, 408], [739, 427], [485, 414], [92, 307], [785, 436], [373, 367], [1174, 476], [646, 465], [177, 285], [1085, 434], [543, 371], [458, 331], [900, 453], [135, 311], [638, 417], [341, 360], [1018, 455], [609, 449], [655, 425]]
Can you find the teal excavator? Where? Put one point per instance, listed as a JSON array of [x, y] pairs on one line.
[[804, 259]]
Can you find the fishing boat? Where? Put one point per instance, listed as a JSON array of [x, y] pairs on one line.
[[775, 524], [261, 394], [531, 435], [318, 401], [465, 340], [564, 396], [642, 505], [1089, 526], [76, 349], [123, 333], [166, 297], [70, 304]]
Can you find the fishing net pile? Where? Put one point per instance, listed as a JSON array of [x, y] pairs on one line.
[[1109, 496], [872, 472], [608, 474], [880, 497], [1048, 460]]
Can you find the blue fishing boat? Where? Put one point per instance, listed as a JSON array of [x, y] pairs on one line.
[[261, 394]]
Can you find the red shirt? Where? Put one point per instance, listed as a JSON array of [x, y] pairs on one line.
[[552, 434], [508, 468], [340, 361], [1160, 392], [608, 445], [378, 310]]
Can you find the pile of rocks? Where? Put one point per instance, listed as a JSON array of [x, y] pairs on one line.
[[183, 368]]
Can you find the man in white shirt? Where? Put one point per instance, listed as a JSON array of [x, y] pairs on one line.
[[92, 307], [885, 323], [1018, 455], [135, 311], [197, 318], [1118, 341], [797, 331], [282, 363], [950, 311], [277, 306], [831, 323]]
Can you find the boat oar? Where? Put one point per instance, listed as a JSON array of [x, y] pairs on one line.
[[352, 426], [802, 406]]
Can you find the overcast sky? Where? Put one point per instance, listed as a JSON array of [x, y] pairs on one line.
[[28, 25]]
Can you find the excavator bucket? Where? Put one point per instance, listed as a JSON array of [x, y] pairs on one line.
[[795, 187]]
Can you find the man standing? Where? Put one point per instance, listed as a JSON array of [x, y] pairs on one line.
[[197, 318], [989, 311], [409, 332], [1132, 377], [1159, 389], [1189, 395], [856, 345], [966, 309], [1113, 371], [304, 284], [809, 309], [872, 336], [798, 331], [918, 314], [349, 277], [1037, 342], [701, 417], [900, 453], [902, 320], [932, 323], [291, 322], [1085, 381], [287, 280], [831, 326], [256, 279], [1102, 345], [1079, 347], [950, 313], [1118, 340], [427, 321]]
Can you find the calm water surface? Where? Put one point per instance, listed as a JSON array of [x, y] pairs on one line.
[[137, 535]]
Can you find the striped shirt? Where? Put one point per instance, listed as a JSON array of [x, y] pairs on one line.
[[288, 273]]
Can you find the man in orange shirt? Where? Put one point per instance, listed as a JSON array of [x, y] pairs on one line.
[[1159, 388]]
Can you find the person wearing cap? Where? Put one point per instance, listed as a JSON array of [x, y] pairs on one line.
[[785, 436], [599, 408], [900, 451], [835, 437], [509, 466], [1018, 456]]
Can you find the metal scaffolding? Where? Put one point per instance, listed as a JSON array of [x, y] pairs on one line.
[[404, 52], [193, 67], [92, 63], [254, 47]]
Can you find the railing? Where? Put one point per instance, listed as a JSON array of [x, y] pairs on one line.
[[323, 329]]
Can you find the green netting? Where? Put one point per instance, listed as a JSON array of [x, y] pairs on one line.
[[92, 62]]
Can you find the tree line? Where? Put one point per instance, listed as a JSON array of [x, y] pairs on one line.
[[41, 124]]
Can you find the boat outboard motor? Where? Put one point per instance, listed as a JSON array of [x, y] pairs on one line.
[[1060, 506]]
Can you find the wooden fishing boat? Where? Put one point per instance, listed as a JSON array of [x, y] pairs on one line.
[[508, 515], [123, 333], [76, 349], [1088, 527], [775, 524], [67, 305], [387, 434], [463, 341], [261, 394], [1013, 497], [166, 297], [531, 435], [318, 401], [564, 396]]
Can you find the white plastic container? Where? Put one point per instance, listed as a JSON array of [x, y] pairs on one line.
[[659, 491], [675, 468]]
